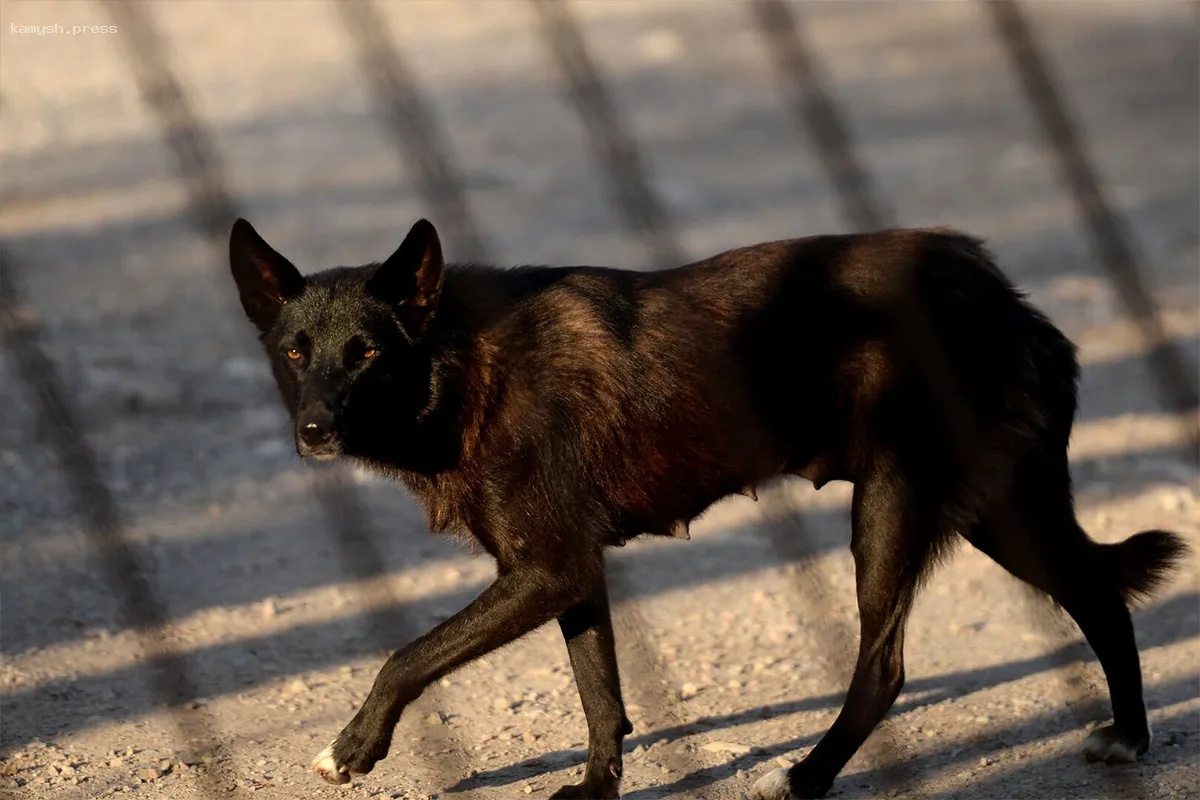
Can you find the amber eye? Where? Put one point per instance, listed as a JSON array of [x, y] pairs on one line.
[[369, 352], [293, 353]]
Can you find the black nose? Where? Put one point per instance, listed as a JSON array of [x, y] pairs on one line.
[[315, 427]]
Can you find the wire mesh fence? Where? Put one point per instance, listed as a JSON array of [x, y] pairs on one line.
[[406, 116]]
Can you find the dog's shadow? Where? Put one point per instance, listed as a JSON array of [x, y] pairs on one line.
[[918, 693], [559, 760], [897, 778], [565, 759]]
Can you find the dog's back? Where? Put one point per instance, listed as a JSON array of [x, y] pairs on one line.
[[672, 389]]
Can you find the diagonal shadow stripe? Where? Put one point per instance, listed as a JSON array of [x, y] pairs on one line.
[[1112, 238], [817, 113], [411, 124], [169, 677], [213, 212], [645, 214], [409, 121], [618, 159]]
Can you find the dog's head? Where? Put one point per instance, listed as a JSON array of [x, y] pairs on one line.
[[346, 344]]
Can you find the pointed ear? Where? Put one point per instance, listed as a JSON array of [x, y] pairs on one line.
[[411, 279], [265, 279]]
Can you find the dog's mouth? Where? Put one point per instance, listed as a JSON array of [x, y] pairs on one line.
[[325, 451]]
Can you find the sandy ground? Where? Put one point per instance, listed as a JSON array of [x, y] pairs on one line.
[[140, 316]]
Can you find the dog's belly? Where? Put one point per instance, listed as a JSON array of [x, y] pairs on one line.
[[822, 469]]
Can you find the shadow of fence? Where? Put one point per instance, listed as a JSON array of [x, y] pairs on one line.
[[414, 130]]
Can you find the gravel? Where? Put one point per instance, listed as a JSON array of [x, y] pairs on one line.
[[140, 316]]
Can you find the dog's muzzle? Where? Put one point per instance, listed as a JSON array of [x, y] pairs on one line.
[[315, 435]]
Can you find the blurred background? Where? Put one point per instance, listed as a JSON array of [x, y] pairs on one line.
[[133, 303]]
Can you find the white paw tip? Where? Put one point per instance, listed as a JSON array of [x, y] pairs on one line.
[[1104, 745], [772, 786], [327, 768]]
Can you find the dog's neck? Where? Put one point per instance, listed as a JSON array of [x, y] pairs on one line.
[[444, 446]]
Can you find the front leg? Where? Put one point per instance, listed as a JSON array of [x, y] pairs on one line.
[[587, 628], [517, 602]]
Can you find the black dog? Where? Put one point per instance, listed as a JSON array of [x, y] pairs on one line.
[[552, 412]]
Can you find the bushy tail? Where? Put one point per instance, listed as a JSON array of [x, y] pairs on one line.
[[1142, 562]]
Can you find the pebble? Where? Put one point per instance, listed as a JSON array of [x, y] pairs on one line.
[[688, 691], [195, 759], [436, 718], [727, 747], [269, 609]]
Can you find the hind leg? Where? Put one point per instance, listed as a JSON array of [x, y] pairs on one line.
[[895, 536], [1037, 538]]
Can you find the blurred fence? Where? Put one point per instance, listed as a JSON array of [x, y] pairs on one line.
[[411, 124]]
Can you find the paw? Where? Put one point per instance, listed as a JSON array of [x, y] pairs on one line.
[[772, 786], [1108, 745], [599, 783], [586, 791], [777, 784], [328, 768], [348, 755]]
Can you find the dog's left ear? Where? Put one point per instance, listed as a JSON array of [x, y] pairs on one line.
[[411, 279]]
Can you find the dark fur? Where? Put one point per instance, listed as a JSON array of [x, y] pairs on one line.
[[551, 412]]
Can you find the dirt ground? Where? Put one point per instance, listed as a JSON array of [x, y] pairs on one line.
[[751, 649]]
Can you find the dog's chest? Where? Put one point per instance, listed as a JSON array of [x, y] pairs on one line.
[[444, 498]]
